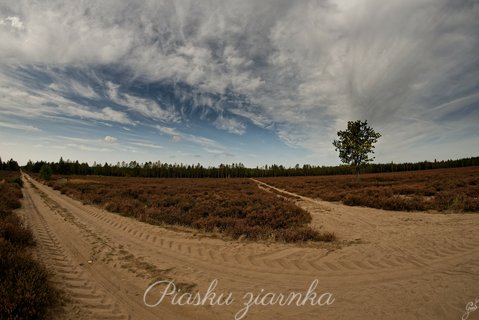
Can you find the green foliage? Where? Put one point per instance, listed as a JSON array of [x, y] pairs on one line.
[[46, 172], [10, 165], [235, 170], [355, 143]]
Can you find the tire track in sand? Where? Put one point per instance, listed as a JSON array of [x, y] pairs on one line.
[[387, 263], [89, 300]]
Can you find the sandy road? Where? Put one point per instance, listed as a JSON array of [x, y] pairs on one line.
[[388, 265]]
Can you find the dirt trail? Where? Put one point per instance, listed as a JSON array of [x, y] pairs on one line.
[[388, 265]]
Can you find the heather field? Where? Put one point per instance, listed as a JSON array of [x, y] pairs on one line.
[[25, 292], [233, 207], [445, 190]]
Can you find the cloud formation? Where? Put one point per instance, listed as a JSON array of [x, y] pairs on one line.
[[229, 124], [110, 139], [12, 22], [18, 126], [299, 69], [178, 136]]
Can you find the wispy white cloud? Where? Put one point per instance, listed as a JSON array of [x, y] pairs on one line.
[[203, 141], [301, 69], [64, 85], [18, 99], [147, 145], [145, 107], [17, 126], [178, 136], [89, 148], [229, 124], [169, 131], [109, 114]]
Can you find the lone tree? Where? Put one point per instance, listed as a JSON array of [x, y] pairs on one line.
[[355, 143]]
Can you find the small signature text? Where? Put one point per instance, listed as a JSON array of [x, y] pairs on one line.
[[470, 308]]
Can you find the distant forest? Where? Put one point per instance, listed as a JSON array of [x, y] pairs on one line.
[[10, 165], [235, 170]]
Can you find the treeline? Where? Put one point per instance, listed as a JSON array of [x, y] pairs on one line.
[[235, 170], [10, 165]]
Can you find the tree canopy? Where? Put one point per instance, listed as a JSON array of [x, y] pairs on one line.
[[356, 143], [10, 165], [46, 172], [164, 170]]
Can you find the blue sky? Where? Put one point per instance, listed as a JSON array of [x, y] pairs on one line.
[[257, 82]]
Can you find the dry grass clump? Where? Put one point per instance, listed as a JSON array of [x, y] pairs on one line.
[[24, 288], [10, 194], [25, 292], [449, 190], [13, 230], [234, 207]]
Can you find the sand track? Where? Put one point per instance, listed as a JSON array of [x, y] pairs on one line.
[[389, 265]]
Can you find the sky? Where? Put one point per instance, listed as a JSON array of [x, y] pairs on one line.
[[256, 82]]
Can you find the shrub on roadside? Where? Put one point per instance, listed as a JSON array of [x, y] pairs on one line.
[[10, 196], [18, 181], [13, 230], [25, 292]]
